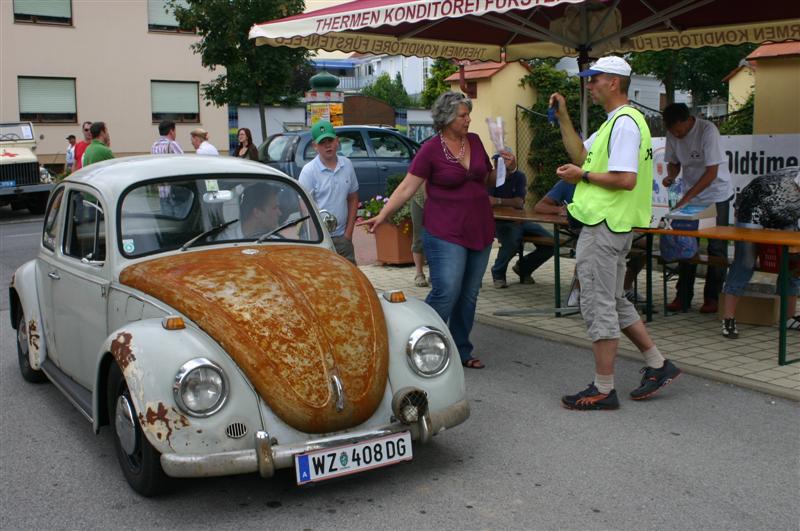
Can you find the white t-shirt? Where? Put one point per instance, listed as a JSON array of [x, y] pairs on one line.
[[623, 147], [206, 148], [696, 151]]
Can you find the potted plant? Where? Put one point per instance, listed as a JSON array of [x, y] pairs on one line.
[[393, 238]]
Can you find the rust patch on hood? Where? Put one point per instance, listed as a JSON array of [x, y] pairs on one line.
[[121, 349], [33, 334], [290, 316]]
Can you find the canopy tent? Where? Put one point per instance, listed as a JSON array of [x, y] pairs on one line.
[[526, 29]]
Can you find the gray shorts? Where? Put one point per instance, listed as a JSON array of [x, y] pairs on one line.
[[601, 272], [344, 247]]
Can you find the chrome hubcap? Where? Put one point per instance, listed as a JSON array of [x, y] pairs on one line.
[[125, 424]]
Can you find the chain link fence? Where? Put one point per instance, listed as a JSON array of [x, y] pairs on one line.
[[524, 139]]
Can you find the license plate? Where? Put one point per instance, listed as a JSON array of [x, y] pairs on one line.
[[334, 462], [8, 184]]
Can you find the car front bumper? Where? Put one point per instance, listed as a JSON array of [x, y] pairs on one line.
[[266, 457]]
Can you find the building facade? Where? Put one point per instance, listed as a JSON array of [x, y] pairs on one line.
[[124, 62]]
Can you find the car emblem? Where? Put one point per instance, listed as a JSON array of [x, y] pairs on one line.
[[7, 154]]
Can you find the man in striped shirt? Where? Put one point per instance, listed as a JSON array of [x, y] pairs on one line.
[[166, 142]]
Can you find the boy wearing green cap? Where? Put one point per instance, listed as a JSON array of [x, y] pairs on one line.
[[331, 181]]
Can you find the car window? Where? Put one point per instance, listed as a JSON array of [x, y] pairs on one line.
[[50, 219], [351, 145], [387, 145], [84, 233], [277, 148], [232, 207]]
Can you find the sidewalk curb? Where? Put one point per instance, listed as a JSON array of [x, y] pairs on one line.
[[708, 374]]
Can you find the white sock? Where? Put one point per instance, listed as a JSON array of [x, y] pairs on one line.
[[653, 357], [604, 382]]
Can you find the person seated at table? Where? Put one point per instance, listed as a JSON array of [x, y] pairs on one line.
[[510, 233], [768, 202], [555, 202]]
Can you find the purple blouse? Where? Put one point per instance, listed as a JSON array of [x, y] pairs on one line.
[[457, 209]]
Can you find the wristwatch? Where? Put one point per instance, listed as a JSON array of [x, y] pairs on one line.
[[585, 177]]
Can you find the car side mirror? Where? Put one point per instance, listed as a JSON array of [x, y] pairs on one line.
[[329, 220]]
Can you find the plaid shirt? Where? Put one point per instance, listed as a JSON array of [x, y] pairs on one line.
[[164, 146]]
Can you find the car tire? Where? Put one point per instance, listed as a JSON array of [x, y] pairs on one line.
[[23, 350], [140, 462], [37, 204]]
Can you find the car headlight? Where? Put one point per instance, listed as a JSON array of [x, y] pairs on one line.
[[44, 175], [200, 388], [428, 351]]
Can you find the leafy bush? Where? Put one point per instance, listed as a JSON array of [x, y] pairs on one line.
[[740, 122], [372, 206], [547, 149]]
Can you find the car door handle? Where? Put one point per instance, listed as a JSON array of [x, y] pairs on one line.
[[384, 168], [54, 275]]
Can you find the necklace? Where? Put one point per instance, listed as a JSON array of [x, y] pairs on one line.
[[448, 154]]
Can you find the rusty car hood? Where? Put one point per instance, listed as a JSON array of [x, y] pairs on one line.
[[294, 318]]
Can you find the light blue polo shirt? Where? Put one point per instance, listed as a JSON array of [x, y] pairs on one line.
[[330, 188]]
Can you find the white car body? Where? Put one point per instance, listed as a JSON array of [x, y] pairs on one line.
[[76, 320]]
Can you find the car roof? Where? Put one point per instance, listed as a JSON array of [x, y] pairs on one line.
[[307, 132], [113, 176]]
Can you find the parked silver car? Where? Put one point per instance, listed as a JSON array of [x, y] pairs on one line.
[[195, 306], [376, 154]]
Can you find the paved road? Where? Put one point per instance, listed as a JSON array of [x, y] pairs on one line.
[[701, 455]]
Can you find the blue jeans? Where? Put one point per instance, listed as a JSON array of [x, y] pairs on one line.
[[509, 234], [456, 274], [744, 262]]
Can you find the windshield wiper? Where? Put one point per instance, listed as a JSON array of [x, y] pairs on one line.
[[281, 227], [209, 232]]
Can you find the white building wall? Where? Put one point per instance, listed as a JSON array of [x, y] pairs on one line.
[[278, 118]]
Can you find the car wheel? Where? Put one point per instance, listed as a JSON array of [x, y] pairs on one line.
[[23, 350], [140, 462], [37, 204]]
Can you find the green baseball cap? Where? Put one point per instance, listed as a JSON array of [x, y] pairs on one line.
[[322, 130]]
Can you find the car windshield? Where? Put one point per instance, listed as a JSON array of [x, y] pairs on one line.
[[184, 212], [16, 131]]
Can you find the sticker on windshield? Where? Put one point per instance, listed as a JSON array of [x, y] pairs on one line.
[[128, 246], [27, 132], [212, 185]]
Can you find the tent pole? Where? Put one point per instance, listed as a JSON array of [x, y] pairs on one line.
[[583, 64]]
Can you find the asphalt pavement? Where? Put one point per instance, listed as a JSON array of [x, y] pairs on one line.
[[699, 455]]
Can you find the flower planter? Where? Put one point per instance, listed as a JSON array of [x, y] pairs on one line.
[[393, 243]]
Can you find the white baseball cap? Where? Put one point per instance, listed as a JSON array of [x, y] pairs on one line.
[[608, 65]]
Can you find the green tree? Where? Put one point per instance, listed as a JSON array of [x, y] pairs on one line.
[[435, 84], [261, 75], [547, 150], [392, 92], [740, 121], [697, 70]]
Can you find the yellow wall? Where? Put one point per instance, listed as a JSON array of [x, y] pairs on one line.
[[777, 102], [499, 95], [740, 86]]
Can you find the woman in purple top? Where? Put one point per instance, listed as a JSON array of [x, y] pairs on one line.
[[457, 219]]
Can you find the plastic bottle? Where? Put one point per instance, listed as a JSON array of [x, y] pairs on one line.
[[674, 192]]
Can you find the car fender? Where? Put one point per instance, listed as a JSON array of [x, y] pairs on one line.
[[23, 291], [150, 357], [402, 319]]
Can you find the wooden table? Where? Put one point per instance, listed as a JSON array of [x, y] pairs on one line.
[[506, 213], [782, 238]]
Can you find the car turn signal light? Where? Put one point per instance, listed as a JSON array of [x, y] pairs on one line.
[[173, 323], [394, 296]]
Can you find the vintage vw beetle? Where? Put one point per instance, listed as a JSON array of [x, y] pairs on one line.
[[194, 304]]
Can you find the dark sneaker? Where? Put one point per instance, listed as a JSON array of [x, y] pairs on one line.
[[729, 329], [499, 283], [523, 280], [591, 399], [655, 379]]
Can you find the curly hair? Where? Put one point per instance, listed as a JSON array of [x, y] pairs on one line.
[[445, 108]]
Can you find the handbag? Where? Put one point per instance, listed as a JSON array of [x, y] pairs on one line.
[[674, 248]]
